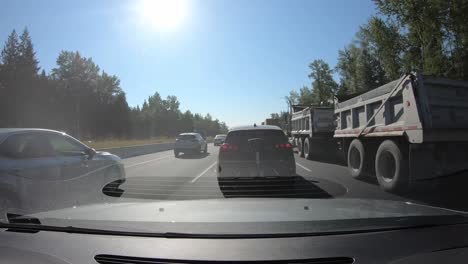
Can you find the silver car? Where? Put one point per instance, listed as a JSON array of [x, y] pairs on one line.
[[190, 143], [46, 169], [219, 139]]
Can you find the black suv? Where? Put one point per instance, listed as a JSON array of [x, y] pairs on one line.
[[256, 151]]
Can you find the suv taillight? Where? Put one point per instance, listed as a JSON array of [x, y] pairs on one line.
[[283, 146], [227, 147]]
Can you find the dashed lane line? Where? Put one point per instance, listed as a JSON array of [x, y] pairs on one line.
[[148, 161], [203, 173], [305, 168]]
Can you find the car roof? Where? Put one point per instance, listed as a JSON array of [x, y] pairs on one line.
[[254, 127], [5, 132], [15, 130]]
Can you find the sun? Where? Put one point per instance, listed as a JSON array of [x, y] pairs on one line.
[[163, 15]]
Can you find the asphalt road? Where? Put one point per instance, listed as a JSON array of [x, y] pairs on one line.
[[161, 176]]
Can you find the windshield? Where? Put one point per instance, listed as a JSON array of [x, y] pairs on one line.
[[261, 116]]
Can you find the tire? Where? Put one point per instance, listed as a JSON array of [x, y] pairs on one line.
[[391, 167], [176, 153], [111, 178], [300, 147], [307, 150], [206, 149], [356, 159]]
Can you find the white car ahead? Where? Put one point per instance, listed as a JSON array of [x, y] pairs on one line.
[[219, 139], [46, 169]]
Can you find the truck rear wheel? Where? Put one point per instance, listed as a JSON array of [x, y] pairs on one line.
[[307, 150], [391, 167], [356, 158], [300, 147]]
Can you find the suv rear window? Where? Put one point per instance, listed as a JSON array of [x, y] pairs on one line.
[[186, 137], [269, 137]]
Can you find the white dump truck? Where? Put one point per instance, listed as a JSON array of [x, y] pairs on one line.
[[414, 129], [312, 130]]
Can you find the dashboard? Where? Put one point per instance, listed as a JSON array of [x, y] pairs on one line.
[[441, 244]]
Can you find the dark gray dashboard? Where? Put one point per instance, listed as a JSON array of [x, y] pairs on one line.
[[448, 244]]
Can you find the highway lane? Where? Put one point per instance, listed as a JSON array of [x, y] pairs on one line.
[[161, 176]]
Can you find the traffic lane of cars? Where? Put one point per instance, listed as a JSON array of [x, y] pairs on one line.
[[158, 176], [165, 164], [162, 176]]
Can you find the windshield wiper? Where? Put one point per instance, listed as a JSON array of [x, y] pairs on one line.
[[34, 228]]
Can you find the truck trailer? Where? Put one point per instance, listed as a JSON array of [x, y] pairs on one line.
[[411, 130], [312, 129]]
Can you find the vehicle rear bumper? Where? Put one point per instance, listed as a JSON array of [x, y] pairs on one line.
[[187, 149]]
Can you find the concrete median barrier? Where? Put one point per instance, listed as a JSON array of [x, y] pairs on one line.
[[130, 151]]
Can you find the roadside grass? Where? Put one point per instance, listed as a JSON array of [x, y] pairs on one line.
[[115, 143]]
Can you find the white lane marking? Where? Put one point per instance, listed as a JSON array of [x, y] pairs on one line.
[[148, 161], [203, 172], [305, 168]]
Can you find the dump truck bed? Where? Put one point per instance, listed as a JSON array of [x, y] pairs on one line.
[[421, 107]]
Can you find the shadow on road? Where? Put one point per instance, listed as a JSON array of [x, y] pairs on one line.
[[450, 192], [193, 155], [149, 188], [295, 187], [329, 157], [182, 188], [332, 159]]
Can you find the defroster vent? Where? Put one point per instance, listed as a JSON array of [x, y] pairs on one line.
[[114, 259]]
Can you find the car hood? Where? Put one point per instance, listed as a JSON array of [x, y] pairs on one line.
[[244, 213]]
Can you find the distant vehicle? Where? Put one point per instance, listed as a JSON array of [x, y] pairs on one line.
[[190, 143], [397, 128], [46, 169], [312, 130], [219, 139], [256, 151]]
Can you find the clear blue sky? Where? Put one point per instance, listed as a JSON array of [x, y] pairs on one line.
[[235, 59]]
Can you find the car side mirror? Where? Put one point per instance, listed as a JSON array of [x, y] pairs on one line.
[[90, 152]]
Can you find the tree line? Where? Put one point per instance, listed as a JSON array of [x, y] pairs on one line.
[[79, 98], [425, 36]]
